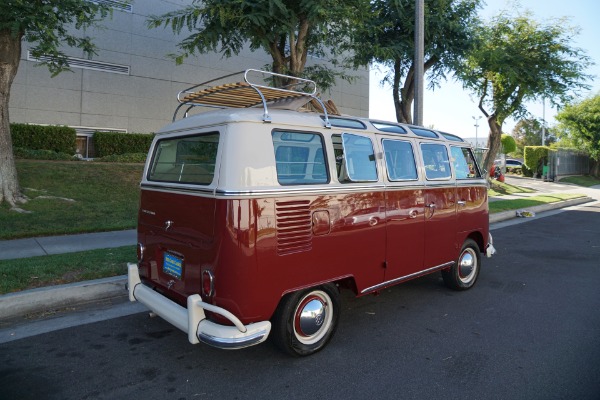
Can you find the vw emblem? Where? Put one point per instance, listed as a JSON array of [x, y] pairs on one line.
[[319, 319]]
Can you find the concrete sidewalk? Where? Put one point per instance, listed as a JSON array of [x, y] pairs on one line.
[[43, 246], [15, 305]]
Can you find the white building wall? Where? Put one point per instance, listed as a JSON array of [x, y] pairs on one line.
[[144, 100]]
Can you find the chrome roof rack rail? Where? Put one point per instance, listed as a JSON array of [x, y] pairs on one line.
[[251, 94]]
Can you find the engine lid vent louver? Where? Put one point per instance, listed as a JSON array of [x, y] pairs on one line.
[[294, 229]]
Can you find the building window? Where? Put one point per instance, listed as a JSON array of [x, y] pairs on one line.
[[116, 4], [83, 63]]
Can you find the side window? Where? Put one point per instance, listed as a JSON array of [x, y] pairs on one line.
[[299, 158], [464, 163], [354, 158], [400, 160], [435, 160], [187, 159]]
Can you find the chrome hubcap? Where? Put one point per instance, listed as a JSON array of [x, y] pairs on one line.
[[467, 266], [312, 318]]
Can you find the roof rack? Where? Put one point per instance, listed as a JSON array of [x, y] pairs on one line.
[[249, 94]]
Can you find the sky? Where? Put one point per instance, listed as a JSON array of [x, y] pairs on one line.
[[450, 108]]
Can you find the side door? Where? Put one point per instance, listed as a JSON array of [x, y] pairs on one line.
[[440, 206], [359, 209], [405, 210], [471, 193]]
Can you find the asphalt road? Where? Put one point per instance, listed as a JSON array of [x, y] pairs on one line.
[[530, 329]]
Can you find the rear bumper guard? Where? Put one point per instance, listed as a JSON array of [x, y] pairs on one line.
[[192, 319], [490, 250]]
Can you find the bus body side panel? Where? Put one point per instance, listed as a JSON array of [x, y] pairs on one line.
[[303, 241], [472, 212], [440, 226], [405, 231]]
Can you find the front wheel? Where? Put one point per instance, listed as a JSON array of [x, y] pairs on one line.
[[305, 321], [463, 274]]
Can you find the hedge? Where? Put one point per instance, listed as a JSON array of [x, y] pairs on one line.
[[29, 154], [535, 158], [111, 143], [124, 158], [61, 139]]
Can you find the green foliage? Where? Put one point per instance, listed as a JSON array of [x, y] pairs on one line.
[[47, 26], [508, 144], [112, 143], [516, 60], [39, 137], [124, 158], [535, 158], [387, 37], [287, 30], [580, 125], [28, 154]]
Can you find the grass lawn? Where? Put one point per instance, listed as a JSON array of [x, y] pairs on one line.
[[517, 204], [73, 197], [498, 188], [29, 273], [581, 180]]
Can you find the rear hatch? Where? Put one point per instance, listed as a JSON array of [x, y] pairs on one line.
[[176, 221]]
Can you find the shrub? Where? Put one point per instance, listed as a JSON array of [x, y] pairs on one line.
[[60, 139], [30, 154], [535, 158], [124, 158], [111, 143]]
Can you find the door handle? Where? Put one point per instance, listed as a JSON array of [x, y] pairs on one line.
[[431, 206], [462, 203]]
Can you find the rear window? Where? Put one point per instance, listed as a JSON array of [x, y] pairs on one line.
[[188, 159]]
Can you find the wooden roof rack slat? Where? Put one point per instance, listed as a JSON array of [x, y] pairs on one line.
[[248, 94]]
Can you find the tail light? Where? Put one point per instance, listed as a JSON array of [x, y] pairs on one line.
[[208, 283]]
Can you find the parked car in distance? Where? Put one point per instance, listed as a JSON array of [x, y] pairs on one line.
[[510, 163]]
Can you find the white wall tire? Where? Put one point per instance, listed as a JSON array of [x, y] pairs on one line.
[[465, 271], [306, 320]]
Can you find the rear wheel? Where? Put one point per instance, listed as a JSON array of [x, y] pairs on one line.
[[306, 320], [463, 274]]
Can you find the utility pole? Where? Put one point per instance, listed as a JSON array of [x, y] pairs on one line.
[[544, 121], [476, 119], [418, 61]]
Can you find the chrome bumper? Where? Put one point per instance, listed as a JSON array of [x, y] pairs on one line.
[[192, 319], [490, 250]]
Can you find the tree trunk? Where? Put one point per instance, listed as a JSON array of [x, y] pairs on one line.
[[403, 99], [403, 112], [494, 143], [10, 55]]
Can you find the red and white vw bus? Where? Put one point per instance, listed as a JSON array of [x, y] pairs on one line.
[[253, 217]]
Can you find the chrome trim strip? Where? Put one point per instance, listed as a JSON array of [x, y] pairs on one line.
[[297, 190], [406, 277]]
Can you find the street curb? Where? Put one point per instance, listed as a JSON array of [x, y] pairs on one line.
[[72, 294], [506, 215], [60, 296]]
